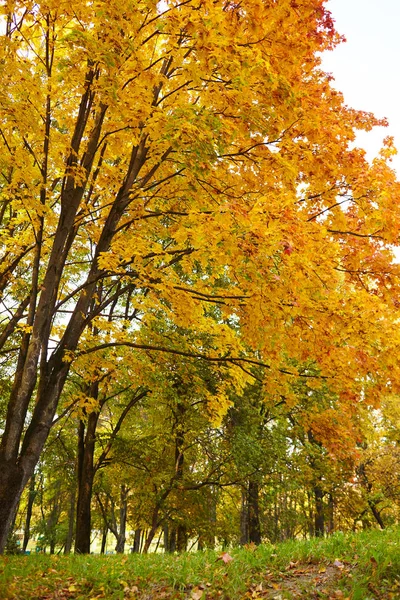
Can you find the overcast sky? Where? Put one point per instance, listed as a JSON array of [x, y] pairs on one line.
[[366, 68]]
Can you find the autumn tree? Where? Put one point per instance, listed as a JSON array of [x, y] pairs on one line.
[[162, 158]]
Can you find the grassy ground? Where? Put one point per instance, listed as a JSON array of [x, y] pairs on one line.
[[363, 566]]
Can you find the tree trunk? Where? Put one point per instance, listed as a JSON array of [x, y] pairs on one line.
[[136, 540], [31, 499], [53, 519], [254, 513], [208, 539], [150, 537], [169, 538], [12, 482], [376, 514], [86, 446], [104, 539], [181, 538], [331, 514], [123, 511], [244, 520], [71, 522], [319, 520]]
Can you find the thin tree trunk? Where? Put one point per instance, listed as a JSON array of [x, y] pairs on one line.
[[376, 514], [331, 513], [319, 520], [254, 513], [31, 499], [150, 536], [244, 520], [123, 511], [53, 519], [71, 521], [104, 539]]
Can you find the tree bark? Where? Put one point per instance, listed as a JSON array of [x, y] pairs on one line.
[[104, 539], [136, 540], [319, 520], [376, 514], [181, 538], [86, 446], [12, 482], [31, 499]]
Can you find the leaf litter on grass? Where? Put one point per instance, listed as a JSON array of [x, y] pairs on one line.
[[302, 581]]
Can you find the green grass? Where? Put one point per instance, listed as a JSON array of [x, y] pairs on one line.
[[369, 568]]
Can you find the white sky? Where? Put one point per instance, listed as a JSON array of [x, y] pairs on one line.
[[366, 67]]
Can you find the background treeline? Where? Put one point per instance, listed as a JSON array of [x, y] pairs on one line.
[[147, 469]]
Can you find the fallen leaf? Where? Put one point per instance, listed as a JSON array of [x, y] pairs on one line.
[[225, 557], [337, 563], [276, 586], [196, 593], [130, 591]]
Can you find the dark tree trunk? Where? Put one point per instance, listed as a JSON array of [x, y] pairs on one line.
[[151, 533], [12, 482], [181, 538], [136, 540], [31, 499], [104, 539], [376, 514], [319, 520], [86, 446], [311, 519], [169, 538], [254, 513], [331, 514], [123, 511]]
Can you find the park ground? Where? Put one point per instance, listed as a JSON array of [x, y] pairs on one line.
[[361, 566]]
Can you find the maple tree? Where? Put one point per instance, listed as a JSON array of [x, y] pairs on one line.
[[185, 162]]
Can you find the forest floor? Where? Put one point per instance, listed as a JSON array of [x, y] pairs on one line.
[[363, 566]]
